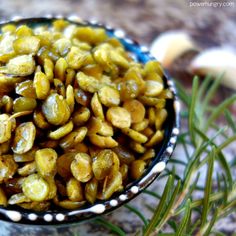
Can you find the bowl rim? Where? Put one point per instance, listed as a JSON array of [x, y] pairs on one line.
[[63, 217]]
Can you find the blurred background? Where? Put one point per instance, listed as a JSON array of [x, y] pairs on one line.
[[142, 19], [209, 26]]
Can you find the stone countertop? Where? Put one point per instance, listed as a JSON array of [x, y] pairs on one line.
[[142, 20]]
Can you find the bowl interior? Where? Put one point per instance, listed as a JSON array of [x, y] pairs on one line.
[[163, 150]]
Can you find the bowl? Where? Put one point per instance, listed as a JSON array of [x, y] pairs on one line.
[[163, 151]]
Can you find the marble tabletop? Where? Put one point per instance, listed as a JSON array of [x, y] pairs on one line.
[[142, 20]]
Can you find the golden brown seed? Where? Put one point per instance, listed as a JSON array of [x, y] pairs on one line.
[[41, 85], [109, 96], [70, 98], [81, 116], [137, 169], [152, 116], [91, 190], [24, 138], [150, 101], [23, 30], [166, 94], [5, 128], [39, 120], [102, 164], [124, 169], [101, 55], [81, 167], [70, 76], [73, 138], [161, 116], [119, 117], [6, 47], [88, 83], [56, 110], [136, 136], [60, 24], [63, 165], [97, 107], [74, 190], [21, 65], [26, 89], [125, 155], [46, 161], [90, 35], [6, 104], [8, 28], [27, 45], [62, 131], [52, 187], [94, 125], [35, 188], [137, 147], [112, 185], [60, 69], [105, 129], [149, 154], [83, 98], [18, 198], [160, 104], [148, 132], [84, 47], [116, 163], [153, 66], [70, 205], [8, 167], [155, 139], [153, 76], [93, 70], [119, 59], [136, 110], [48, 69], [141, 125], [25, 157], [27, 169], [153, 88], [62, 46], [59, 87], [102, 142], [128, 89], [77, 58], [24, 104]]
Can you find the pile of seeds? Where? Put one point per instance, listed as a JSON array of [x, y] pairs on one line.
[[79, 118]]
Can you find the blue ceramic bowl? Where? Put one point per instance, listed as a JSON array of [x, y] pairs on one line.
[[163, 151]]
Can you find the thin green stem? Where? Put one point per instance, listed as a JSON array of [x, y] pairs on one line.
[[138, 213], [160, 208], [110, 226]]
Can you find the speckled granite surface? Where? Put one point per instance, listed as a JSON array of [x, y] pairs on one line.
[[143, 20]]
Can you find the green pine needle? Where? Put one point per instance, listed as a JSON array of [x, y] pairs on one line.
[[110, 226], [138, 213]]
